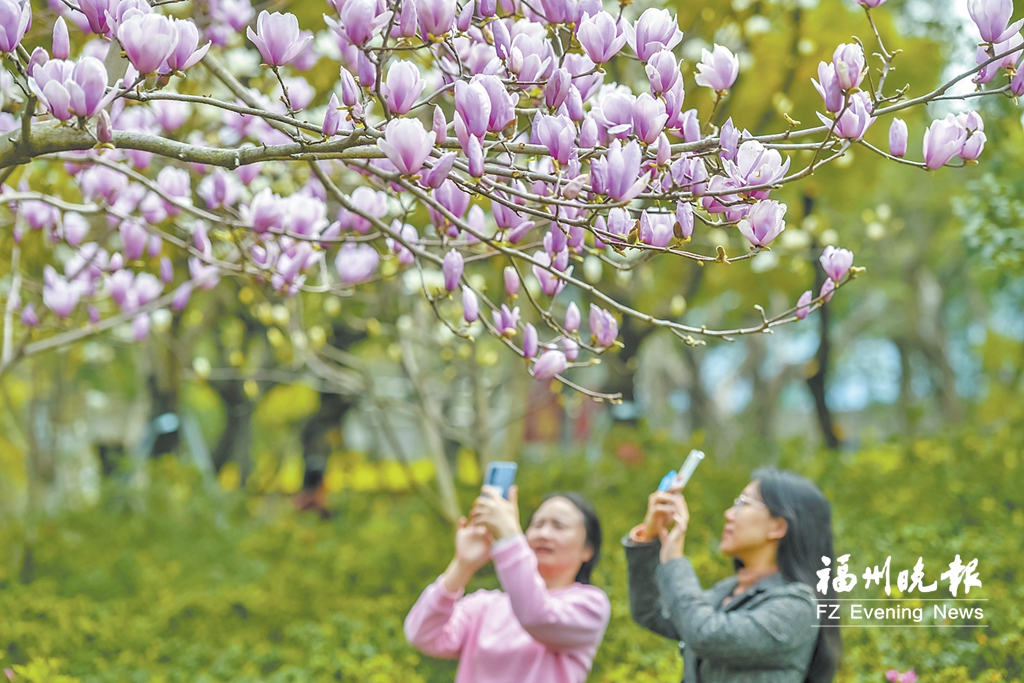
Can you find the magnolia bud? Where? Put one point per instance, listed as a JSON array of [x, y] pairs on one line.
[[104, 128]]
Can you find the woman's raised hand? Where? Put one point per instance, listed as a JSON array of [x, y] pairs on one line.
[[472, 551], [472, 544], [497, 514], [661, 505], [672, 541]]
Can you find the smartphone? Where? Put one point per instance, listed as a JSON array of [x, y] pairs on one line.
[[677, 480], [501, 475]]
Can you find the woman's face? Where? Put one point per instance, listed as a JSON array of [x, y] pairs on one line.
[[749, 525], [558, 538]]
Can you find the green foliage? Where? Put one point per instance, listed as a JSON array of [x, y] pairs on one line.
[[194, 588], [992, 214]]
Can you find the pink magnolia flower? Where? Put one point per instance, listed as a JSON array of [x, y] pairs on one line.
[[848, 61], [186, 52], [617, 173], [408, 236], [28, 319], [439, 126], [530, 344], [571, 349], [402, 86], [1017, 84], [76, 227], [360, 20], [649, 118], [803, 305], [655, 30], [177, 184], [896, 677], [437, 17], [511, 277], [97, 13], [134, 237], [550, 283], [603, 327], [600, 37], [148, 40], [14, 20], [974, 143], [656, 229], [826, 290], [506, 320], [140, 326], [898, 138], [265, 212], [756, 165], [453, 199], [166, 270], [855, 119], [549, 364], [503, 103], [991, 17], [943, 140], [59, 295], [572, 317], [277, 37], [764, 222], [169, 114], [557, 133], [356, 262], [61, 46], [219, 189], [452, 269], [68, 90], [181, 296], [470, 305], [828, 87], [717, 69], [332, 119], [663, 72], [406, 144], [437, 174], [836, 262], [557, 89], [472, 110]]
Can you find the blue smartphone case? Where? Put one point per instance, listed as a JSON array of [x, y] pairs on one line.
[[666, 481], [501, 475]]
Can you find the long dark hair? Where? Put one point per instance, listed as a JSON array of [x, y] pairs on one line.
[[591, 524], [808, 539]]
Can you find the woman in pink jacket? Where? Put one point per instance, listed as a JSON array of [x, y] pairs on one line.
[[547, 623]]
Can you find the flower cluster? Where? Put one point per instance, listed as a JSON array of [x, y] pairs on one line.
[[496, 116]]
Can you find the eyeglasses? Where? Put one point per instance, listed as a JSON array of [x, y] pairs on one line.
[[743, 500]]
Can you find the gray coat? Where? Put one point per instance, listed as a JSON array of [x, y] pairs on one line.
[[764, 635]]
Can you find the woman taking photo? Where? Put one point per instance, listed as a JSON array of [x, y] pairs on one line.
[[547, 623], [760, 625]]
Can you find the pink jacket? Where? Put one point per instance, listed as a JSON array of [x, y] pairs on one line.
[[526, 634]]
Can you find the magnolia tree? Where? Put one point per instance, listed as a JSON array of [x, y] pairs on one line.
[[455, 134]]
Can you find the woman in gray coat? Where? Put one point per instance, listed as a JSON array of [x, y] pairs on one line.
[[762, 624]]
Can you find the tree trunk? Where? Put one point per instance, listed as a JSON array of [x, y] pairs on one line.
[[236, 439], [316, 437], [702, 409], [817, 382], [163, 383], [430, 418]]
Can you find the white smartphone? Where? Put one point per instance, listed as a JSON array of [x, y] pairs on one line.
[[686, 471]]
